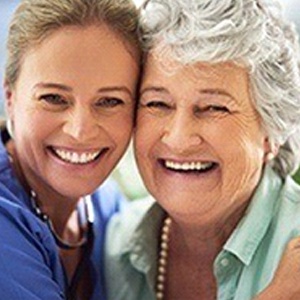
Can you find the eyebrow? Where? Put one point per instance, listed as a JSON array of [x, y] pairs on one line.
[[51, 85], [70, 89], [158, 89], [123, 89], [216, 91], [212, 91]]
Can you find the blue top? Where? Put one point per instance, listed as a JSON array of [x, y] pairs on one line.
[[30, 266], [243, 268]]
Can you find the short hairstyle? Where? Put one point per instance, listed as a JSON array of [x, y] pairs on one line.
[[35, 20], [251, 33]]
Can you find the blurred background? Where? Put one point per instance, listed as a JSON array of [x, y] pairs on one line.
[[126, 173]]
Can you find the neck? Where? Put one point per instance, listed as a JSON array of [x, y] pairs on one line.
[[74, 234], [60, 210], [185, 241], [209, 236]]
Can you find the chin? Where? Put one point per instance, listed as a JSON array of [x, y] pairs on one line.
[[76, 190]]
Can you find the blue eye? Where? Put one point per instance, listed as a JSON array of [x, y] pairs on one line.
[[54, 99], [109, 102]]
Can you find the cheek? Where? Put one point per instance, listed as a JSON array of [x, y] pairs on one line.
[[147, 132], [242, 165], [140, 143], [119, 128], [238, 137], [242, 152], [144, 139], [29, 124], [239, 145], [41, 122]]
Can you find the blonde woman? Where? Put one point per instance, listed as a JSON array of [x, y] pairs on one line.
[[70, 83]]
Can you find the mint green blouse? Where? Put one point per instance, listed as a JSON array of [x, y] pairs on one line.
[[243, 268]]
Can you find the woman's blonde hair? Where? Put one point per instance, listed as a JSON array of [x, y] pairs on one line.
[[35, 20]]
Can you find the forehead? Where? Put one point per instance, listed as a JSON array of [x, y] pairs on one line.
[[86, 41], [90, 53], [163, 71], [166, 67]]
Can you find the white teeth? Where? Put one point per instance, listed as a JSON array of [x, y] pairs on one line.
[[76, 158], [192, 166]]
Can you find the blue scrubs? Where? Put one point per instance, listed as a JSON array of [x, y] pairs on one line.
[[30, 266]]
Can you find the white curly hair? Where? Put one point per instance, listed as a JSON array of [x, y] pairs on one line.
[[248, 32]]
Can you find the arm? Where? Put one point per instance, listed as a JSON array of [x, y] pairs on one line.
[[286, 282]]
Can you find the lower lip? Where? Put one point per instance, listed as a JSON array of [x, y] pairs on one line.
[[76, 167]]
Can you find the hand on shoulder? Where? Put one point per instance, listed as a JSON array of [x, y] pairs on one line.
[[286, 282]]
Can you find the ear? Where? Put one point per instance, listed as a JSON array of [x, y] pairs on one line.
[[271, 150], [9, 100]]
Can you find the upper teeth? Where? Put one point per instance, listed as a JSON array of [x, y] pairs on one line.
[[76, 158], [190, 166]]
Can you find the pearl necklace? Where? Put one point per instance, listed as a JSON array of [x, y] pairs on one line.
[[163, 259], [88, 220]]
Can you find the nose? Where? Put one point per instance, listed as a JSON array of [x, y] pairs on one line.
[[181, 133], [81, 124]]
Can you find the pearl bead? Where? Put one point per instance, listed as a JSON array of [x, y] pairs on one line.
[[165, 237], [164, 245], [163, 254], [163, 261]]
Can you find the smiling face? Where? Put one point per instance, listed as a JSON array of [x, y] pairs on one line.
[[72, 109], [199, 143]]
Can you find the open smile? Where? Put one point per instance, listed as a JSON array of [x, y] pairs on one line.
[[188, 167], [76, 157]]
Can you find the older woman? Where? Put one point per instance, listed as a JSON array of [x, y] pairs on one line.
[[217, 138], [70, 86]]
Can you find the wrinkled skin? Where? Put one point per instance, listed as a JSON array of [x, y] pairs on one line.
[[199, 114]]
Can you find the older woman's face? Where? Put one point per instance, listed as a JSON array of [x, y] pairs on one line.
[[72, 108], [199, 142]]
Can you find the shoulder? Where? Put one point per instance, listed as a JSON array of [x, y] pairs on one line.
[[291, 191], [10, 188], [29, 262], [286, 220], [288, 206], [14, 202], [284, 192], [13, 208], [19, 224], [17, 221]]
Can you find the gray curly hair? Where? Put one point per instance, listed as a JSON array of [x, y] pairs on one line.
[[251, 33]]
